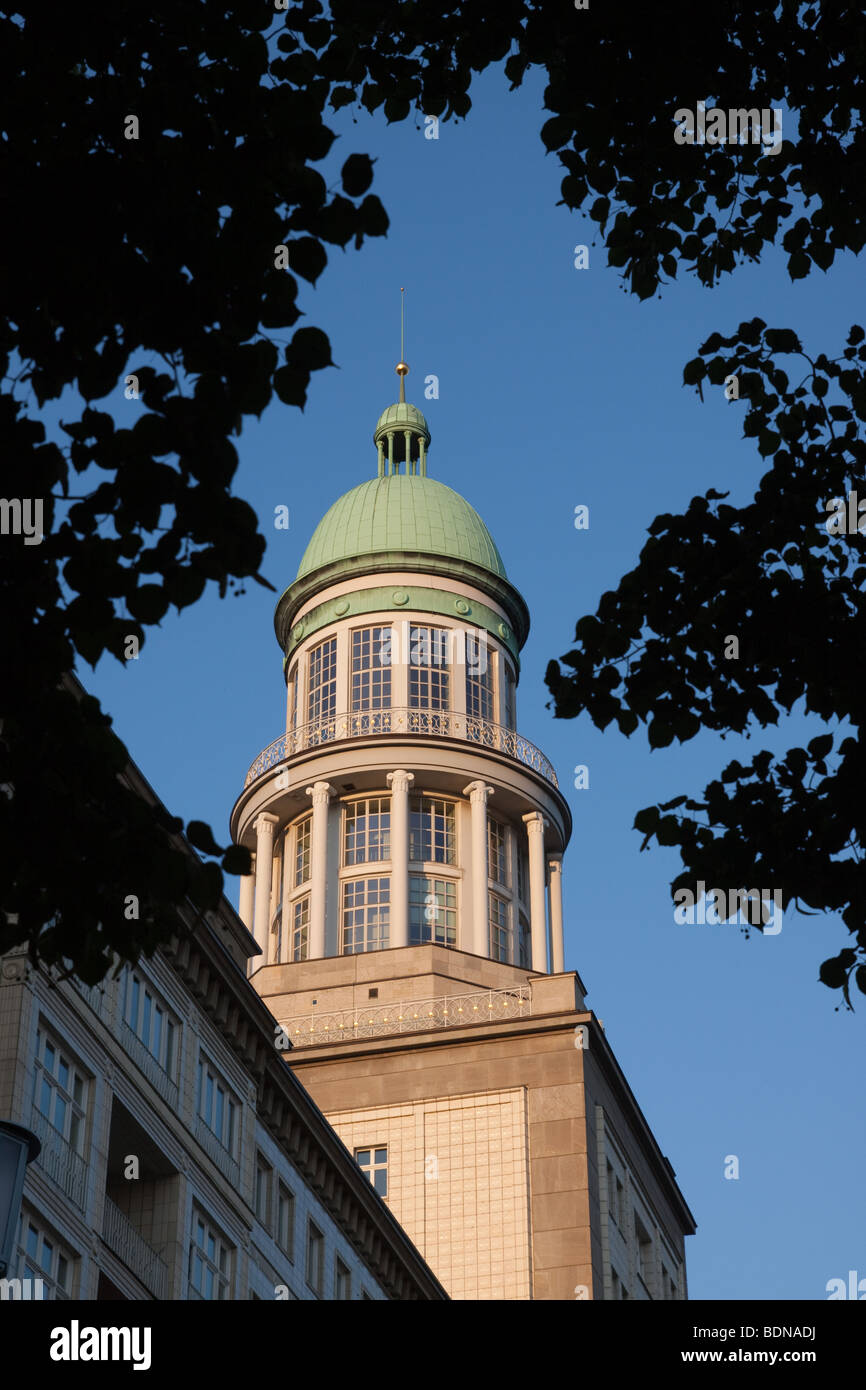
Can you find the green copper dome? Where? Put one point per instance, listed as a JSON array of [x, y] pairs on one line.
[[406, 513]]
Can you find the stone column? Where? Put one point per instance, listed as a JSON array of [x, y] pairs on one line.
[[320, 793], [264, 827], [246, 906], [534, 822], [400, 782], [557, 949], [478, 793]]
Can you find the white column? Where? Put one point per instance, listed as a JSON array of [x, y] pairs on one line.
[[400, 782], [557, 952], [320, 793], [246, 905], [478, 793], [534, 822], [264, 827]]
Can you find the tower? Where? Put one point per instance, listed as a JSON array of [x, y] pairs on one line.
[[407, 902]]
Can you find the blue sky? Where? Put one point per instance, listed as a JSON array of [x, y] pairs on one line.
[[556, 388]]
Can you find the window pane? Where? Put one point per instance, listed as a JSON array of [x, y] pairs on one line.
[[381, 1155], [380, 1181], [63, 1074]]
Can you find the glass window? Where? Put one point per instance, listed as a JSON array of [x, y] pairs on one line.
[[216, 1106], [209, 1261], [302, 833], [277, 934], [368, 830], [432, 910], [293, 697], [496, 865], [147, 1015], [431, 831], [428, 668], [315, 1258], [371, 668], [322, 697], [285, 1233], [479, 693], [510, 712], [300, 927], [374, 1162], [524, 946], [498, 927], [59, 1091], [41, 1256], [264, 1174], [342, 1281], [521, 873], [366, 914]]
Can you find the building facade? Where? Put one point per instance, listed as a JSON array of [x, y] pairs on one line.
[[406, 900], [181, 1158]]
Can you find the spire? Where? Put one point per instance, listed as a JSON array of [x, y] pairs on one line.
[[402, 367], [402, 434]]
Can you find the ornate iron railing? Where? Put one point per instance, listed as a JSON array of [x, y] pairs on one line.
[[411, 1016], [121, 1236], [59, 1160], [424, 722]]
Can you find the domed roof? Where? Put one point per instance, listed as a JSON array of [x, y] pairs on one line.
[[401, 512], [401, 414]]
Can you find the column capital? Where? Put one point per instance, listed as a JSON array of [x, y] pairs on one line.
[[399, 780], [478, 791], [534, 820], [555, 861], [265, 823], [321, 792]]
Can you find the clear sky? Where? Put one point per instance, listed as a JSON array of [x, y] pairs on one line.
[[556, 388]]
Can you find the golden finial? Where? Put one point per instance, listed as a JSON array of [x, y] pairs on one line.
[[402, 367]]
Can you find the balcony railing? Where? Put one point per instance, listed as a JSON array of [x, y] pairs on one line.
[[426, 723], [121, 1236], [59, 1160], [147, 1063], [411, 1016], [215, 1151]]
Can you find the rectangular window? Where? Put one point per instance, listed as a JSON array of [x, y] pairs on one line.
[[368, 831], [293, 697], [498, 910], [277, 937], [521, 874], [302, 832], [644, 1253], [524, 948], [479, 693], [42, 1256], [264, 1177], [431, 831], [510, 712], [432, 910], [146, 1013], [371, 668], [285, 1234], [496, 863], [366, 914], [322, 697], [217, 1107], [374, 1162], [342, 1281], [619, 1206], [315, 1259], [60, 1090], [300, 927], [428, 668], [209, 1261]]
